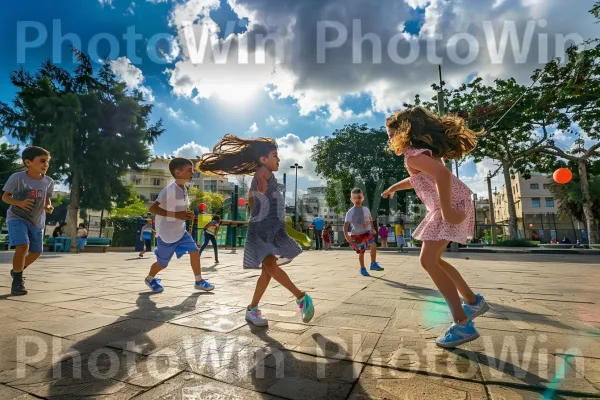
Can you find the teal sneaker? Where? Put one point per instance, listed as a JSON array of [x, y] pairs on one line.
[[476, 309], [457, 335], [307, 308]]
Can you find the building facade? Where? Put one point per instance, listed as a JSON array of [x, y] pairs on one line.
[[313, 204], [537, 211]]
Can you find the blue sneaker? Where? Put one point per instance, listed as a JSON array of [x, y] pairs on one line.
[[480, 307], [457, 335], [375, 267], [204, 285], [363, 272], [154, 284], [306, 307]]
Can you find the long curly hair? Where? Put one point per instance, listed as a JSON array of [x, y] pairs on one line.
[[236, 156], [447, 137]]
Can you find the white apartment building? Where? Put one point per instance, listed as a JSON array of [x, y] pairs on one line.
[[313, 204]]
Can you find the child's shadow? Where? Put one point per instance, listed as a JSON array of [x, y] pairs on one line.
[[102, 360]]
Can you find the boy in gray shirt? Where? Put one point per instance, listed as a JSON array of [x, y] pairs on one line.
[[360, 219], [28, 194]]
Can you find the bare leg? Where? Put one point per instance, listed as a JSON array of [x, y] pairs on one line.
[[430, 255], [19, 257], [270, 264], [459, 282], [195, 262], [361, 260], [261, 287], [155, 269], [30, 259], [373, 252]]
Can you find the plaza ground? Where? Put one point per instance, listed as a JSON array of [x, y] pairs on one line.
[[89, 328]]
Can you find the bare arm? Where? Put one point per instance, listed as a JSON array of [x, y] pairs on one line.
[[182, 215], [348, 238], [443, 180], [262, 175], [250, 200], [402, 185], [26, 204]]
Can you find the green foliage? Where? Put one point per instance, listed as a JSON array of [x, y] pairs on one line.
[[516, 243], [356, 156], [125, 229], [214, 201], [132, 207], [9, 164]]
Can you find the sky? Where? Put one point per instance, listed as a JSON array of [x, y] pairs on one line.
[[292, 70]]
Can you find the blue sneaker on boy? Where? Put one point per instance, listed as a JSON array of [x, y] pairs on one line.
[[457, 335], [204, 285], [476, 309], [376, 267], [363, 272], [154, 284]]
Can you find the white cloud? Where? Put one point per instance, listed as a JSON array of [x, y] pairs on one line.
[[106, 3], [291, 150], [3, 140], [191, 150], [297, 75], [253, 128], [157, 1], [173, 53], [131, 9], [179, 116], [132, 76], [276, 121], [477, 182]]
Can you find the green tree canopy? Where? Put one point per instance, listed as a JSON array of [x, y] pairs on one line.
[[213, 201], [93, 127], [357, 156], [9, 164]]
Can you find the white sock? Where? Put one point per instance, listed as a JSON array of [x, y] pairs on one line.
[[149, 278], [198, 278]]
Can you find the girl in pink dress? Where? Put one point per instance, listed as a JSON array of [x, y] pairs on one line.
[[426, 139]]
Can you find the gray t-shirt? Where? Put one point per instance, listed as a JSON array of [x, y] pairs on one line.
[[22, 187], [360, 220]]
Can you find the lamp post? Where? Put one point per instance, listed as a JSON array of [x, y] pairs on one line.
[[296, 167], [475, 208]]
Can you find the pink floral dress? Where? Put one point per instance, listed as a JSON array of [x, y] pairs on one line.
[[433, 227]]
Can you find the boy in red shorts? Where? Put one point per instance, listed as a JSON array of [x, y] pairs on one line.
[[363, 235]]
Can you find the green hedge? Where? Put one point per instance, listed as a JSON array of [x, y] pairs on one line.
[[516, 243], [125, 231]]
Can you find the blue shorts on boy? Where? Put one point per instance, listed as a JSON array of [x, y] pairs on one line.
[[172, 237], [24, 226]]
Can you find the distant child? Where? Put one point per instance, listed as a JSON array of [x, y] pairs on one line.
[[267, 242], [211, 230], [363, 233], [383, 234], [146, 237], [172, 210], [425, 139], [326, 237], [28, 193], [82, 235], [399, 231]]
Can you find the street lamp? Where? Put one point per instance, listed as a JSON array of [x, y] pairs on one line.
[[296, 167]]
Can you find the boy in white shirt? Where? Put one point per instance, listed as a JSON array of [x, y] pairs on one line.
[[172, 210]]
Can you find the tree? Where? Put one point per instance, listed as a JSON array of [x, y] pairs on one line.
[[133, 207], [94, 129], [213, 201], [9, 164], [356, 156]]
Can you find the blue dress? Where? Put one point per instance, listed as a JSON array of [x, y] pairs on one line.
[[266, 229]]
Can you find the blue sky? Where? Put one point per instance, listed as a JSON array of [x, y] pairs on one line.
[[296, 101]]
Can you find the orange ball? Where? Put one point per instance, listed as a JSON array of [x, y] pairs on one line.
[[562, 176]]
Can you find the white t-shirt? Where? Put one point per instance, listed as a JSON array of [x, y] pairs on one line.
[[360, 220], [172, 198]]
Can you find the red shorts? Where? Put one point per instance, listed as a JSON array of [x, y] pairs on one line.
[[362, 241]]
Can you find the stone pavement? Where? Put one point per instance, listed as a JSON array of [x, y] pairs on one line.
[[89, 328]]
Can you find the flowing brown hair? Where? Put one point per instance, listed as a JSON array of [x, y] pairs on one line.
[[236, 156], [447, 137]]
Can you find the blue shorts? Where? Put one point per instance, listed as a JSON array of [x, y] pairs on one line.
[[164, 251], [21, 232], [81, 242]]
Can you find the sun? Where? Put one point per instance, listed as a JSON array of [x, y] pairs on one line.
[[237, 94]]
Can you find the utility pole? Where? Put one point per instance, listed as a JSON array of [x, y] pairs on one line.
[[284, 188], [442, 112], [493, 217]]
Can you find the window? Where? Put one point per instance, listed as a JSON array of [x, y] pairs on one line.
[[137, 181], [210, 186], [534, 186], [535, 202], [156, 181], [153, 196], [550, 202], [546, 186]]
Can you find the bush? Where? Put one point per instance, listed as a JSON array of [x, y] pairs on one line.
[[516, 243], [125, 231]]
